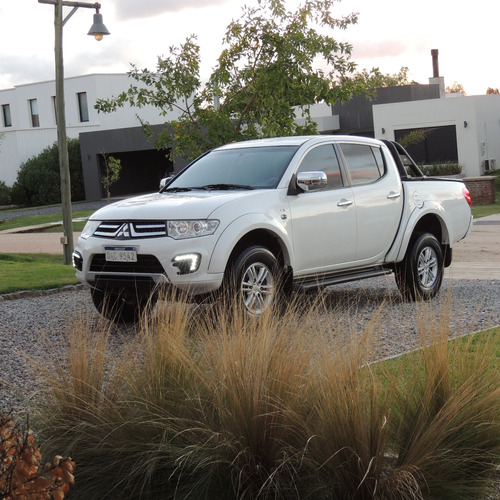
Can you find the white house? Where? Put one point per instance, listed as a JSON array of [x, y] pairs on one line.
[[28, 119]]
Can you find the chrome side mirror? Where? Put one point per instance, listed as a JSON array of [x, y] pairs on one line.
[[311, 181]]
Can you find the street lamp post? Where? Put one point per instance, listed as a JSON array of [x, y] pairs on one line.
[[97, 30]]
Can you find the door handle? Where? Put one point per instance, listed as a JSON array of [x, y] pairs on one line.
[[344, 203], [392, 195]]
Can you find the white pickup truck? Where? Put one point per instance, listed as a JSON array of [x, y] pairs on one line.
[[254, 219]]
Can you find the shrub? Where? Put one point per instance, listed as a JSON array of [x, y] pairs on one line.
[[4, 193], [39, 182], [441, 168], [203, 404], [22, 472]]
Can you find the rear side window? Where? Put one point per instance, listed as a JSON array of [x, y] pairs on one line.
[[365, 163], [323, 159]]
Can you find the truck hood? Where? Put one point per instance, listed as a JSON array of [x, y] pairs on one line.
[[163, 206]]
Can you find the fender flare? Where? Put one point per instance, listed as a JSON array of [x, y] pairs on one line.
[[241, 227], [430, 209]]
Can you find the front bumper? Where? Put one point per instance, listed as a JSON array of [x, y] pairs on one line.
[[155, 266]]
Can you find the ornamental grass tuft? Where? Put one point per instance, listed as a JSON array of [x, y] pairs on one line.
[[204, 402]]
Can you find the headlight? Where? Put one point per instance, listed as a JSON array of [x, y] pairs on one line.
[[89, 229], [181, 229]]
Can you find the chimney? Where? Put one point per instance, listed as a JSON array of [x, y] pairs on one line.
[[436, 79], [435, 63]]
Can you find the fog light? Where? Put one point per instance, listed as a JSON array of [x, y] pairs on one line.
[[77, 260], [187, 263]]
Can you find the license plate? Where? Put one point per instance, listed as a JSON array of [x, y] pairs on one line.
[[120, 254]]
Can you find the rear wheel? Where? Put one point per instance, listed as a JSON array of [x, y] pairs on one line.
[[254, 280], [420, 274], [120, 307]]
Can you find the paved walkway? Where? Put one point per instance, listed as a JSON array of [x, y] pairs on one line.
[[478, 255], [475, 257]]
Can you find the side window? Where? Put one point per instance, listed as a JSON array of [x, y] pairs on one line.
[[365, 163], [323, 159], [377, 154]]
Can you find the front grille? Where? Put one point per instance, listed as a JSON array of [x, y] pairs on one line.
[[147, 264], [131, 229]]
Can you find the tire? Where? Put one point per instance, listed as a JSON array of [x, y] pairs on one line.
[[420, 274], [119, 307], [254, 280]]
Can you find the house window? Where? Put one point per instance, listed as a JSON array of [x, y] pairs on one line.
[[7, 120], [35, 117], [83, 106]]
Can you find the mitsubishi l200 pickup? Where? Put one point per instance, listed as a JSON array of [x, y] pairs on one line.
[[255, 219]]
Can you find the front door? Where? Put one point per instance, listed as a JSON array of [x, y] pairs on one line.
[[324, 224]]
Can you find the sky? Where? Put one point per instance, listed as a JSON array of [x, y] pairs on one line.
[[389, 34]]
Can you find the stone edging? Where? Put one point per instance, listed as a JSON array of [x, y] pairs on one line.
[[40, 293]]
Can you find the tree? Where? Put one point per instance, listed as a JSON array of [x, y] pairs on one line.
[[415, 136], [112, 168], [491, 91], [456, 88], [272, 60], [376, 79]]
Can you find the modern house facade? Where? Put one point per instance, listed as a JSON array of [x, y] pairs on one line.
[[28, 119], [464, 129], [470, 126]]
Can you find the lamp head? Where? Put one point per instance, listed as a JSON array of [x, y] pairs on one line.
[[98, 30]]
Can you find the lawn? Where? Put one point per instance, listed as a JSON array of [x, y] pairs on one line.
[[36, 220], [34, 272]]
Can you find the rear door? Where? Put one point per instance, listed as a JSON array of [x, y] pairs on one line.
[[378, 199]]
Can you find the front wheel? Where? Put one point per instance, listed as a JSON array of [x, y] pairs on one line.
[[119, 307], [420, 274], [254, 280]]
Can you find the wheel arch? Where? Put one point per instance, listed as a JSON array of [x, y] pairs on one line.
[[433, 224], [251, 230], [265, 238]]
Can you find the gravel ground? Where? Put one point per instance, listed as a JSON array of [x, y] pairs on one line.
[[32, 327]]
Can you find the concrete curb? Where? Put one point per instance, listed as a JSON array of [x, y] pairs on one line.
[[27, 294]]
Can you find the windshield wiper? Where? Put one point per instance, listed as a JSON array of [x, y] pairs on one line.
[[210, 187], [177, 190]]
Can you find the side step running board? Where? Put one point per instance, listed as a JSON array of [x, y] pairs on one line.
[[342, 277]]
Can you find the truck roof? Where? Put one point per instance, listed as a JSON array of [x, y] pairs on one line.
[[299, 141]]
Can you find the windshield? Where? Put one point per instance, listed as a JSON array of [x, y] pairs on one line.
[[242, 168]]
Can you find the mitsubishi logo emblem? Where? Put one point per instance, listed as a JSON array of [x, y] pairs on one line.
[[123, 232]]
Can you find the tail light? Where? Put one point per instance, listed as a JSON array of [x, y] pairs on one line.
[[466, 193]]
